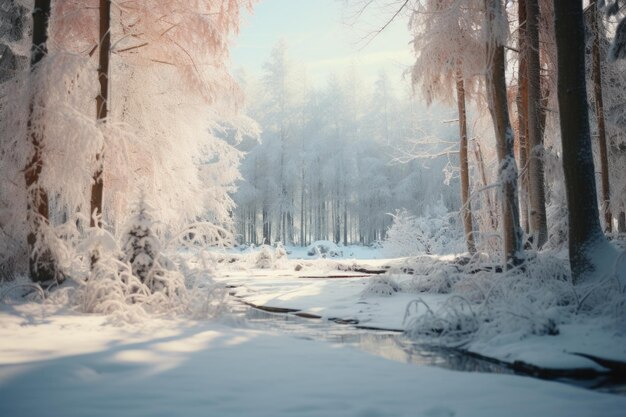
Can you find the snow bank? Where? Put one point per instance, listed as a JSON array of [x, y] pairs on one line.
[[70, 365]]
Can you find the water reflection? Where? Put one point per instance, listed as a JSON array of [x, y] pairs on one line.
[[395, 346]]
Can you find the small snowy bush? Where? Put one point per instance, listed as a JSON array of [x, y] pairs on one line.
[[380, 286], [431, 234], [265, 257], [324, 248]]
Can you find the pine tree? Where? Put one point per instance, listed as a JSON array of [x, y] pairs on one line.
[[141, 245]]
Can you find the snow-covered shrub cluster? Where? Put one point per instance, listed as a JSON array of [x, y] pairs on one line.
[[267, 256], [384, 286], [135, 278], [491, 306], [435, 233], [324, 248]]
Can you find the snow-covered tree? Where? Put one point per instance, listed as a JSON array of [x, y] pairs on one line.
[[171, 145], [585, 233], [496, 30], [141, 247], [448, 44]]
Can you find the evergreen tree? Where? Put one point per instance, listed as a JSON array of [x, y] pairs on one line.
[[141, 245]]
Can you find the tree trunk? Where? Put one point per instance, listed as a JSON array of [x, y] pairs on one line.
[[536, 187], [480, 163], [345, 223], [507, 171], [267, 230], [584, 222], [41, 263], [97, 188], [621, 222], [522, 114], [466, 209], [302, 221], [597, 92]]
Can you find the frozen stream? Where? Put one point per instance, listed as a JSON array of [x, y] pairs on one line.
[[395, 346]]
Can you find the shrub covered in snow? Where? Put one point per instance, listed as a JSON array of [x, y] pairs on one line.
[[383, 285], [491, 306], [132, 279], [324, 248], [265, 257], [436, 233]]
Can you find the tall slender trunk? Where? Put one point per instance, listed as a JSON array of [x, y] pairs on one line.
[[345, 223], [480, 163], [97, 188], [621, 222], [266, 225], [507, 172], [522, 115], [41, 263], [605, 191], [585, 231], [466, 208], [302, 220], [536, 187]]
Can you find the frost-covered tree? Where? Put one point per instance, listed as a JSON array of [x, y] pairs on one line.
[[596, 73], [176, 146], [448, 44], [42, 265], [141, 246], [183, 47], [496, 29], [538, 226], [585, 232], [102, 106]]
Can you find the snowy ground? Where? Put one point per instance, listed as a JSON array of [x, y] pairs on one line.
[[57, 363], [307, 291]]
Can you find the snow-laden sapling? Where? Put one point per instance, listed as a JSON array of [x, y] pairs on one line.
[[265, 258], [142, 248]]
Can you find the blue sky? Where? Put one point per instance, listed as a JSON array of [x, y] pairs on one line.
[[323, 35]]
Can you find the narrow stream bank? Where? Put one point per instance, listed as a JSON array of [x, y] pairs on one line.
[[395, 346]]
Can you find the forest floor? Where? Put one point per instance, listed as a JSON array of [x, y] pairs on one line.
[[340, 289], [55, 361]]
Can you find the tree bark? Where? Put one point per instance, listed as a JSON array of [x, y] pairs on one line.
[[522, 114], [605, 190], [507, 171], [97, 188], [466, 209], [584, 222], [41, 263], [536, 188], [480, 163]]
